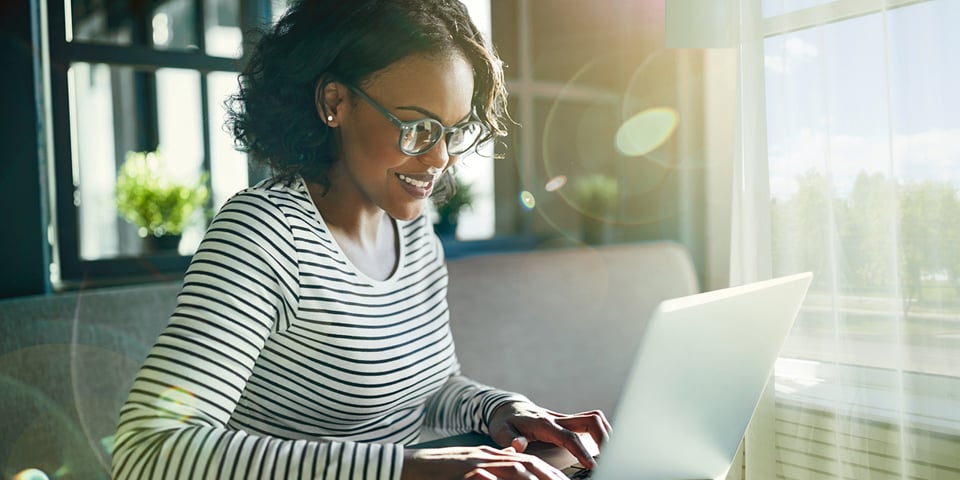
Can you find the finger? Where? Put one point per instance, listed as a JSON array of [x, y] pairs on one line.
[[479, 474], [592, 424], [598, 413], [526, 467], [543, 471], [571, 442], [519, 443]]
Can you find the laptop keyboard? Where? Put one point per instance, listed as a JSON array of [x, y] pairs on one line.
[[577, 472]]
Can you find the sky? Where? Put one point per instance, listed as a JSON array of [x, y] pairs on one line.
[[873, 93]]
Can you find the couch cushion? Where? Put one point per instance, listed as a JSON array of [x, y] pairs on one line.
[[66, 365], [562, 326]]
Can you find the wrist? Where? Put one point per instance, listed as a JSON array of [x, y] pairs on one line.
[[509, 409]]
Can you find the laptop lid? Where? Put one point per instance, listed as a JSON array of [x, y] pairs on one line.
[[698, 375]]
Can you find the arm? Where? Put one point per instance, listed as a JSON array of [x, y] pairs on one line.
[[241, 286], [463, 405]]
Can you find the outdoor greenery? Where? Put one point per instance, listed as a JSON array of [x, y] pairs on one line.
[[153, 201], [915, 252]]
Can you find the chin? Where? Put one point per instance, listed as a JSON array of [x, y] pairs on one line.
[[406, 214]]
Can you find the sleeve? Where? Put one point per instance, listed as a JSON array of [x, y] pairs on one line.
[[242, 284], [463, 405]]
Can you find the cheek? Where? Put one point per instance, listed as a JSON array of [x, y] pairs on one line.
[[373, 154]]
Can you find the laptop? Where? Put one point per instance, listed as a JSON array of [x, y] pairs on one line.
[[697, 377]]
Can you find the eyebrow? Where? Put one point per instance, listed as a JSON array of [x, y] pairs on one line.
[[432, 115]]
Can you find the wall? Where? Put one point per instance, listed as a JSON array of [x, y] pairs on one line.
[[24, 246], [577, 71]]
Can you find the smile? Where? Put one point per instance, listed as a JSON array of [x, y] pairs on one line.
[[418, 186], [415, 182]]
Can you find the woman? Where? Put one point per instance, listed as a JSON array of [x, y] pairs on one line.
[[310, 339]]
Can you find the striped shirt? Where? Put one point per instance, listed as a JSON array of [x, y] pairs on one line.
[[283, 361]]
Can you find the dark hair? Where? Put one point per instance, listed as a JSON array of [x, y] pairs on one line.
[[274, 117]]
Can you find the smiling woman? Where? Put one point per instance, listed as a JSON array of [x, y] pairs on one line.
[[311, 337]]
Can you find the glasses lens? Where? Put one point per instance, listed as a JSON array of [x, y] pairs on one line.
[[420, 136], [464, 137]]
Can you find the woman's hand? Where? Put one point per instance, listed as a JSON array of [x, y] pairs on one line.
[[475, 463], [479, 474], [516, 424]]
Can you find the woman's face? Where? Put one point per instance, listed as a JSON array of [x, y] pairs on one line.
[[371, 168]]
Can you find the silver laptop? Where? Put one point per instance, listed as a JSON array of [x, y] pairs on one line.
[[701, 367]]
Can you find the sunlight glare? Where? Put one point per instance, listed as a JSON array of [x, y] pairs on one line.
[[646, 131]]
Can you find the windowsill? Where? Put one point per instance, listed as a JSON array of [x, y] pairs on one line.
[[504, 244], [916, 400]]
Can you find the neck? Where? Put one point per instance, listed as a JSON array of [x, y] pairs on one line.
[[348, 219]]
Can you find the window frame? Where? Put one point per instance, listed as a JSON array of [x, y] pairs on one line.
[[69, 270]]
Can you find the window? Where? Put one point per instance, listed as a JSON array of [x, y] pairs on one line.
[[136, 77], [152, 77], [864, 188]]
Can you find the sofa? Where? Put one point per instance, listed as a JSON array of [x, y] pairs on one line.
[[559, 325]]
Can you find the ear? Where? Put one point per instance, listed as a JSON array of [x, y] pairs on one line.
[[328, 98]]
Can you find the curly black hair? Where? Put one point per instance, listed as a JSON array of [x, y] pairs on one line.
[[274, 117]]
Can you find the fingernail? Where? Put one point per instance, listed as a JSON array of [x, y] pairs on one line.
[[520, 443]]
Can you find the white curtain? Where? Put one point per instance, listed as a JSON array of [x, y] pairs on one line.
[[848, 165]]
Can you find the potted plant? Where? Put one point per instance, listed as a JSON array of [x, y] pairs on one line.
[[448, 207], [597, 196], [160, 206]]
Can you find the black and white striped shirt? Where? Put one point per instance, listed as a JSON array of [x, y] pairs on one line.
[[284, 361]]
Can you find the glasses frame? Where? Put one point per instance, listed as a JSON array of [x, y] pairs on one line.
[[406, 126]]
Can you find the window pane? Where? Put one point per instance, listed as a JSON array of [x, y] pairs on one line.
[[278, 8], [864, 179], [174, 25], [181, 137], [478, 222], [169, 24], [864, 193], [772, 8], [91, 21], [227, 165], [114, 110], [98, 91], [222, 28]]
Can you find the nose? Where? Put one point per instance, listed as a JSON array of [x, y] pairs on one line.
[[437, 157]]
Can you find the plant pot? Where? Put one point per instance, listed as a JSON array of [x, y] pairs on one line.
[[446, 227], [596, 231], [161, 244]]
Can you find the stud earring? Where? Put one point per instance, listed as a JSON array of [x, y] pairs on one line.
[[329, 118]]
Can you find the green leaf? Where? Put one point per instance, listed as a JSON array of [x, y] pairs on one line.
[[157, 204]]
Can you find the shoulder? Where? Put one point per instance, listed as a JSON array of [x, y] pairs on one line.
[[269, 198], [419, 238], [267, 209]]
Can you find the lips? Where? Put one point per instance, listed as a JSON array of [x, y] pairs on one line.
[[417, 185]]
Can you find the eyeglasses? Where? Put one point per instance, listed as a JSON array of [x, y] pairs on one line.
[[419, 136]]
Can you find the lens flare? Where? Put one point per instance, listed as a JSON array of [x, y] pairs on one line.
[[527, 200], [31, 474], [646, 131], [176, 402], [556, 183]]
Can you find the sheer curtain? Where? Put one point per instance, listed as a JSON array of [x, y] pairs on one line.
[[848, 165]]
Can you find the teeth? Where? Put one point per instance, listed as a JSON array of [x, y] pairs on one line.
[[413, 181]]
